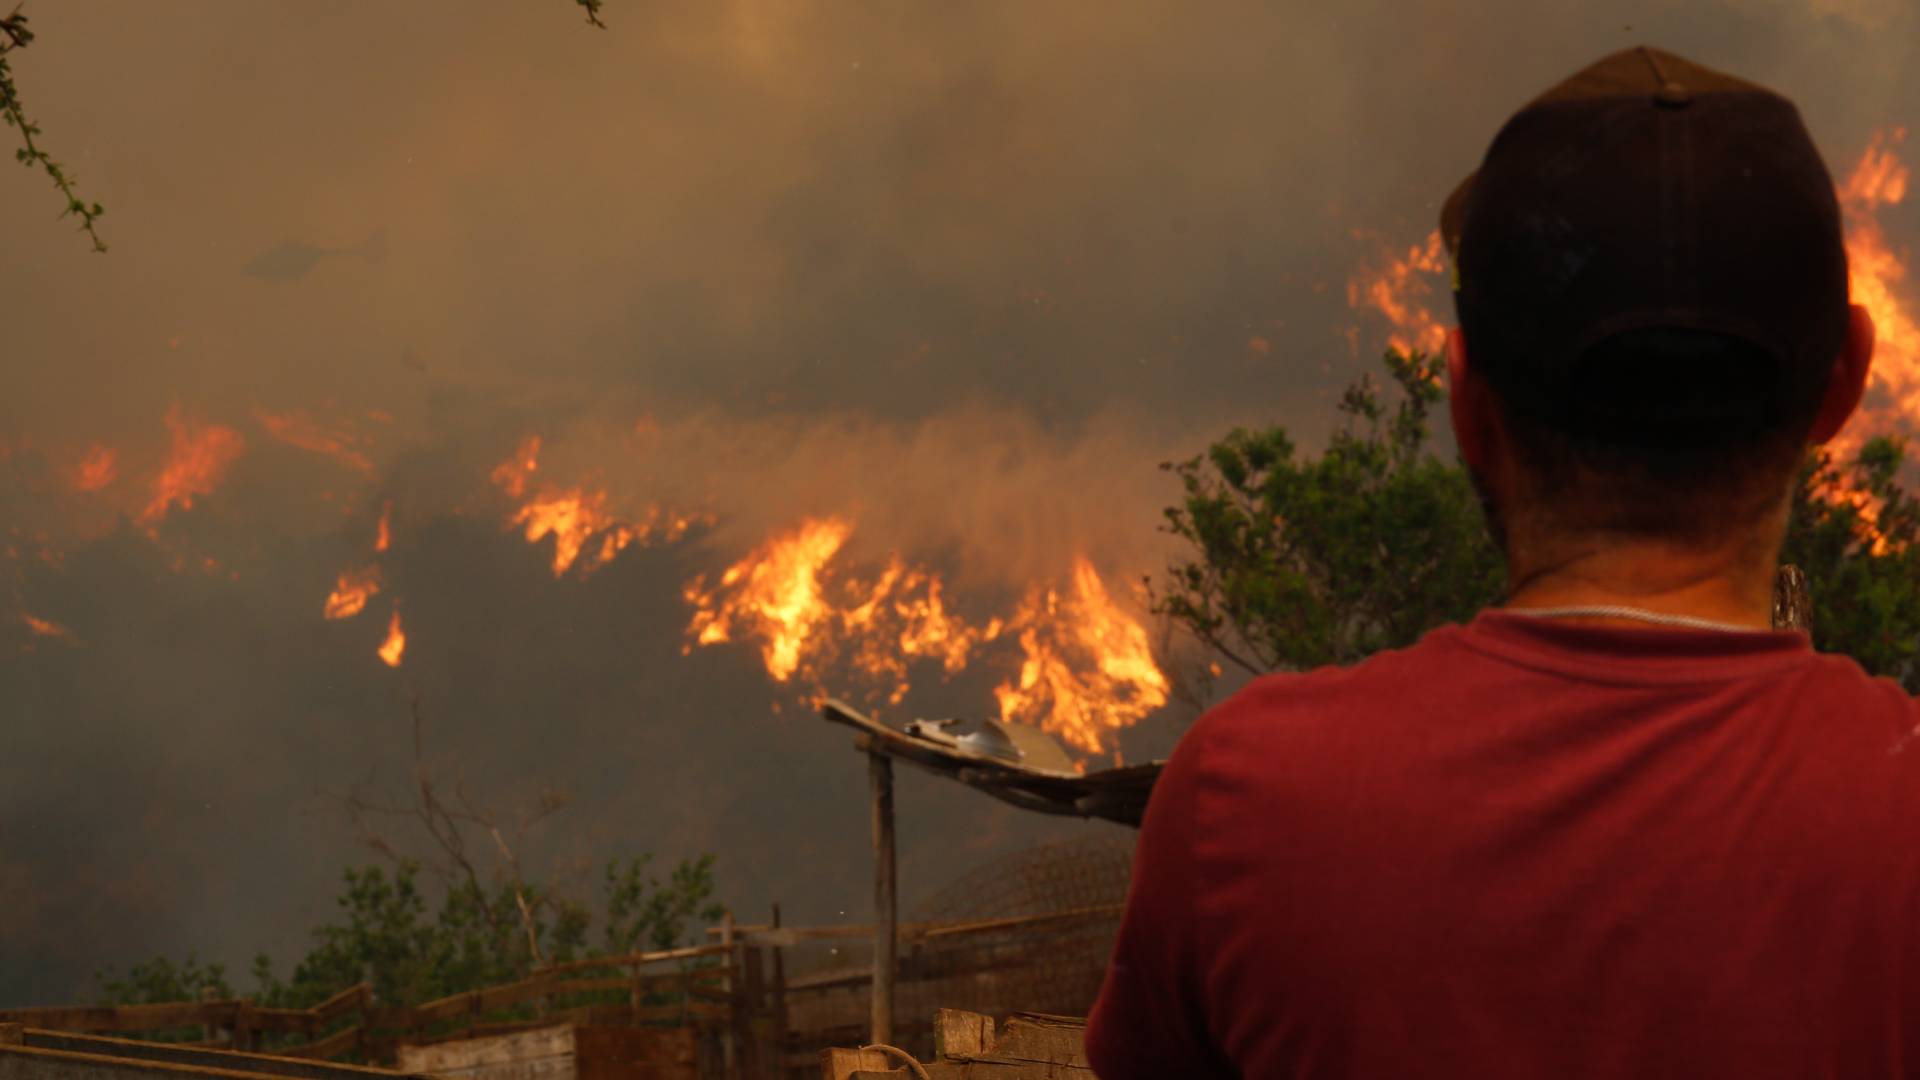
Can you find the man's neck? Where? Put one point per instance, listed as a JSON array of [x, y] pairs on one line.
[[1729, 581]]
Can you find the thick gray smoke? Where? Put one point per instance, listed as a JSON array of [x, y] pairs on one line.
[[963, 271]]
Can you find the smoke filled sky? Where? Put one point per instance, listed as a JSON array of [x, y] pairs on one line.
[[960, 273]]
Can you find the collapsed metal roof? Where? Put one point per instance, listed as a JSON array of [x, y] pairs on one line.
[[1014, 763]]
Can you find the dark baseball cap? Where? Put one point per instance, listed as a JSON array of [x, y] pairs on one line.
[[1648, 192]]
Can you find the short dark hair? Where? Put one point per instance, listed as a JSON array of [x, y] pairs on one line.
[[1671, 433]]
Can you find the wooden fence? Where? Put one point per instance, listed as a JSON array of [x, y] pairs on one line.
[[754, 1019]]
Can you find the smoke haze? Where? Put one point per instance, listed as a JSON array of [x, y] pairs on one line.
[[960, 273]]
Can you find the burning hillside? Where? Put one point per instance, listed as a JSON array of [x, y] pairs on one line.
[[871, 623], [838, 589]]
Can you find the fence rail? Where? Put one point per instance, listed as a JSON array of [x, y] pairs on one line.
[[734, 993]]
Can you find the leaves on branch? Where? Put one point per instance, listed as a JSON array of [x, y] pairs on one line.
[[14, 34], [1296, 563]]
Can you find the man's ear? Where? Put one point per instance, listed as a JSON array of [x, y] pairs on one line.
[[1468, 404], [1849, 379]]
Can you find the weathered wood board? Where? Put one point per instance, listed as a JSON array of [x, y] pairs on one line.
[[1031, 1046], [561, 1052]]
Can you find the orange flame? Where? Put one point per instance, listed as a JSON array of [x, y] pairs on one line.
[[511, 475], [96, 470], [350, 596], [1399, 290], [383, 532], [1117, 682], [1874, 276], [1087, 668], [395, 646], [197, 464], [298, 429], [903, 617], [47, 628], [576, 518], [774, 592]]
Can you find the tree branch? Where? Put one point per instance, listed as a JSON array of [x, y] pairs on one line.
[[19, 37]]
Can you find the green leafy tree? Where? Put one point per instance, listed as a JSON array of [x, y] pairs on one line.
[[161, 979], [1853, 531], [390, 934], [1293, 562], [386, 936], [1296, 562], [645, 913]]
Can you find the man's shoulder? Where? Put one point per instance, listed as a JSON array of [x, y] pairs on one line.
[[1378, 686]]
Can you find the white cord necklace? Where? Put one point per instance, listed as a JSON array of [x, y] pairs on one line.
[[1614, 611]]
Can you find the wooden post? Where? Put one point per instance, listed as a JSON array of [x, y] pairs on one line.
[[209, 1026], [746, 1009], [779, 1010], [245, 1036], [885, 908], [730, 1049], [634, 996]]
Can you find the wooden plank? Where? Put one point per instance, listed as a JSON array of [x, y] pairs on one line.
[[911, 932], [625, 959], [982, 926], [830, 979], [1027, 1040], [885, 900], [475, 1057], [838, 1064], [173, 1014], [625, 1053], [30, 1063], [186, 1054], [354, 998], [331, 1046], [298, 1021], [958, 1033]]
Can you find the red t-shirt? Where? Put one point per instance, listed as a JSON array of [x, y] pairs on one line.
[[1527, 848]]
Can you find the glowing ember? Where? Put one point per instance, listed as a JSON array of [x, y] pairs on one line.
[[1088, 667], [774, 592], [383, 532], [47, 628], [584, 530], [96, 470], [392, 649], [297, 429], [196, 465], [511, 475], [1400, 290], [350, 596]]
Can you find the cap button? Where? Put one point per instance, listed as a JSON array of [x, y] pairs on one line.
[[1673, 95]]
